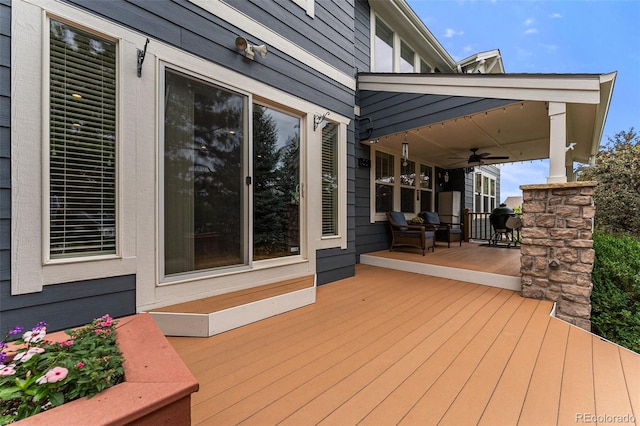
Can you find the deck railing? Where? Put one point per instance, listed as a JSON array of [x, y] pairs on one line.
[[476, 225]]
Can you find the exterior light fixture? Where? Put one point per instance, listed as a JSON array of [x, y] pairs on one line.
[[405, 150], [249, 49]]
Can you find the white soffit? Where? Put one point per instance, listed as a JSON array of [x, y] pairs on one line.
[[578, 88]]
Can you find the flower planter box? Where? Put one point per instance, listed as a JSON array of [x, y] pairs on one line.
[[157, 387]]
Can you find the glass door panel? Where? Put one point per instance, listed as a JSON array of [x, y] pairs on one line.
[[276, 183], [204, 212]]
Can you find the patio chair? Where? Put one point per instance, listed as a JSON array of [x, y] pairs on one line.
[[445, 231], [404, 234]]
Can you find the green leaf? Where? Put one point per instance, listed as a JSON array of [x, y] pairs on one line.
[[56, 398]]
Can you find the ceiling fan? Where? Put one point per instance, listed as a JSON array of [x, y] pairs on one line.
[[478, 158]]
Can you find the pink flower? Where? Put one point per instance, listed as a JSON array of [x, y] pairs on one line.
[[26, 356], [7, 370], [80, 364], [56, 374], [66, 343]]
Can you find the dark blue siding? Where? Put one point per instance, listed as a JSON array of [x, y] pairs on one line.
[[68, 305]]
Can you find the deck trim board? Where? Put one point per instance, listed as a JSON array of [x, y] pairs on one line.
[[241, 297]]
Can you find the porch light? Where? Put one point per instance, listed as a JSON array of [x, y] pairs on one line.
[[405, 150]]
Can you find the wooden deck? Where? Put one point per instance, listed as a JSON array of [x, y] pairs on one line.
[[390, 347]]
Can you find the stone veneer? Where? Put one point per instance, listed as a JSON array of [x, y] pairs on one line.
[[557, 247]]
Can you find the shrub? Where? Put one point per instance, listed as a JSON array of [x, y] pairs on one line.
[[616, 289]]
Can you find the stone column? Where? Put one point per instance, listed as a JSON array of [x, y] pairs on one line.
[[557, 247]]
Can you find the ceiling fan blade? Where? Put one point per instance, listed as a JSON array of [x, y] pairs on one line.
[[496, 157]]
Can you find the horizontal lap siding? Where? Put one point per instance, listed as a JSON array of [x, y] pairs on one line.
[[68, 305], [5, 154], [369, 236]]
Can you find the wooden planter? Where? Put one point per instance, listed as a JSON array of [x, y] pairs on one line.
[[157, 387]]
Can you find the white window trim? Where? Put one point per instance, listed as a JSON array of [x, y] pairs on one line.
[[340, 239], [492, 177], [307, 5], [30, 264], [397, 46], [397, 185]]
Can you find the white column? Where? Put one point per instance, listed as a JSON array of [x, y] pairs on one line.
[[557, 142]]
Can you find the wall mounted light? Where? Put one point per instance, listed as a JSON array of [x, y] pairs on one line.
[[405, 150], [250, 49]]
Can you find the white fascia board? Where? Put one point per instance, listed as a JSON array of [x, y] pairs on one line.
[[607, 81], [271, 38], [551, 88]]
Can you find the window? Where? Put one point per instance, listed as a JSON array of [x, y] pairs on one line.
[[426, 188], [384, 182], [406, 58], [204, 180], [425, 68], [276, 183], [82, 143], [485, 193], [383, 54], [407, 186], [329, 179], [414, 188]]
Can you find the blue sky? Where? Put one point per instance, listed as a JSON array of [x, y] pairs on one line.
[[536, 36]]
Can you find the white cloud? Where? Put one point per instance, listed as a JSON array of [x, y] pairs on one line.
[[449, 32], [550, 48], [555, 16], [531, 31], [528, 22]]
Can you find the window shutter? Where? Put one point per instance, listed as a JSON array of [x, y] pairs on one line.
[[330, 179], [82, 143]]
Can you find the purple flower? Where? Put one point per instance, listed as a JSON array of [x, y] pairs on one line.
[[16, 330]]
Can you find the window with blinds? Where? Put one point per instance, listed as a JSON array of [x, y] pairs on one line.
[[82, 143], [330, 179]]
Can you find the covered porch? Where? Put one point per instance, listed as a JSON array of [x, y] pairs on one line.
[[392, 347]]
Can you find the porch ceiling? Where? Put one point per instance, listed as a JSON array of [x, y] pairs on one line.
[[519, 129]]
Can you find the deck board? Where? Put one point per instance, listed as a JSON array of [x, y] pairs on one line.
[[577, 387], [387, 347]]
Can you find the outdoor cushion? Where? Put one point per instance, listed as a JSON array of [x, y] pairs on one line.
[[431, 217], [399, 218]]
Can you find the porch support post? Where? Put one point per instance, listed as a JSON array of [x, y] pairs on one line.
[[556, 250], [557, 142]]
